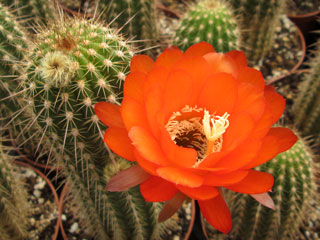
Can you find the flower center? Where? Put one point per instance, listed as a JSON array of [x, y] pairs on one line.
[[196, 128]]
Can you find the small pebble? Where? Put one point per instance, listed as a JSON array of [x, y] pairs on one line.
[[74, 227], [40, 185], [63, 217], [37, 193]]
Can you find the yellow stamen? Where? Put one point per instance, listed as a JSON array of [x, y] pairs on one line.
[[214, 127]]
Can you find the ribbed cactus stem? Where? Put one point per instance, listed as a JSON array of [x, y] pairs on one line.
[[12, 51], [33, 12], [211, 21], [259, 21], [294, 188], [135, 18], [13, 199], [306, 107]]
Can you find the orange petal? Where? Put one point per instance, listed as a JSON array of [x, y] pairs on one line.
[[180, 156], [147, 146], [212, 159], [285, 138], [217, 213], [171, 207], [220, 62], [153, 92], [219, 94], [277, 140], [199, 193], [255, 182], [240, 127], [109, 114], [178, 91], [133, 113], [263, 125], [253, 76], [199, 49], [197, 67], [250, 100], [141, 63], [133, 86], [275, 101], [148, 166], [168, 58], [243, 154], [239, 58], [180, 176], [127, 178], [213, 179], [118, 141], [156, 189]]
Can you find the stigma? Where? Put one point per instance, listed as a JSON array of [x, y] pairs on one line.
[[214, 127]]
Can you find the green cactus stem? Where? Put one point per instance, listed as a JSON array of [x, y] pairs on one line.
[[75, 64], [211, 21], [12, 51], [33, 12], [135, 18], [306, 107], [259, 20]]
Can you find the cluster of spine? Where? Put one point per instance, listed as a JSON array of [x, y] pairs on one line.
[[33, 12], [306, 107], [75, 64], [293, 191], [13, 199], [135, 18], [211, 21], [259, 20]]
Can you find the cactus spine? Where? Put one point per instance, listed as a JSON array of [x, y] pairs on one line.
[[259, 20], [34, 12], [211, 21], [13, 198], [135, 18], [293, 190], [306, 107]]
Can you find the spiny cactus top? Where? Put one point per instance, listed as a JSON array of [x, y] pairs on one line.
[[211, 21], [75, 63]]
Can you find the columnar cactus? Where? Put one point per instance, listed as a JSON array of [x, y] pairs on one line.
[[75, 64], [13, 199], [306, 107], [135, 18], [34, 12], [259, 20], [12, 52], [211, 21], [293, 190]]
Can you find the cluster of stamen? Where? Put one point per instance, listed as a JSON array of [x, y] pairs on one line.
[[204, 133]]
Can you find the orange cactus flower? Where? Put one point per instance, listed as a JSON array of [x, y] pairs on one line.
[[195, 122]]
